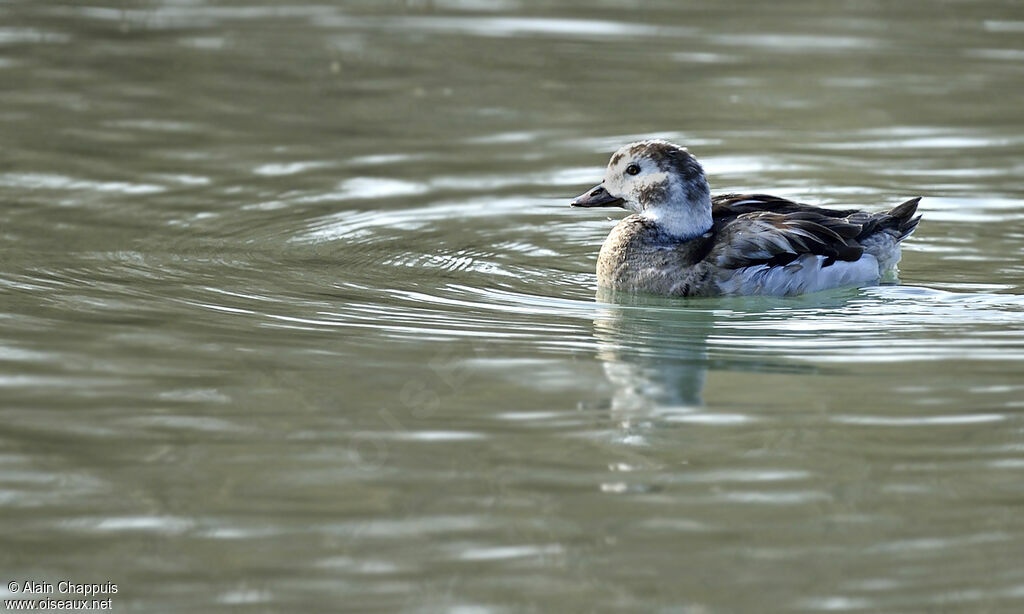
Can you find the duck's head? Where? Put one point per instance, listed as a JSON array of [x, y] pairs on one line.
[[657, 180]]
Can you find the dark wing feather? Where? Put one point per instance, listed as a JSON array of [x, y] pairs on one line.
[[777, 239], [728, 206]]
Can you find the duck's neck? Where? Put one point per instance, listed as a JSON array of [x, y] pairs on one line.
[[682, 220]]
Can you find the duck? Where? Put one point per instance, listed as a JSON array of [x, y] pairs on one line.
[[681, 241]]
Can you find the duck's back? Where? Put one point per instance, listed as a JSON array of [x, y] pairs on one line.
[[726, 207]]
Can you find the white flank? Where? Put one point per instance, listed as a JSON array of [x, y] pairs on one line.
[[805, 274]]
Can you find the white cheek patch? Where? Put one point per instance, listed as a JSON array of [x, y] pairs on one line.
[[614, 186]]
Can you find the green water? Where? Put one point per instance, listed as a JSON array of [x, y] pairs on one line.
[[294, 316]]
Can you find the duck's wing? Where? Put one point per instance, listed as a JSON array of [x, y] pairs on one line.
[[725, 207], [776, 239]]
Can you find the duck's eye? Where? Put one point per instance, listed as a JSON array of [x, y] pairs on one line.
[[633, 169]]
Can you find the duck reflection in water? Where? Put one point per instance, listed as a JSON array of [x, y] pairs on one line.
[[654, 351]]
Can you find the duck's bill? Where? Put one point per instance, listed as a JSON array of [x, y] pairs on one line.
[[596, 196]]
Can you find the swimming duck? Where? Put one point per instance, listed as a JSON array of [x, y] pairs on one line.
[[681, 241]]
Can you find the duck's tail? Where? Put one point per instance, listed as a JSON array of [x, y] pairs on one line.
[[881, 233], [900, 220]]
